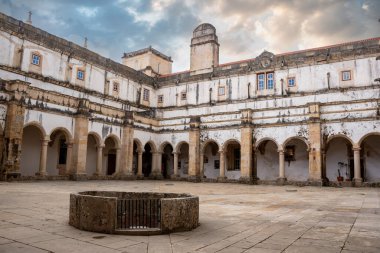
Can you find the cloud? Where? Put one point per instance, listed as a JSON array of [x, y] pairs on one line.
[[245, 28]]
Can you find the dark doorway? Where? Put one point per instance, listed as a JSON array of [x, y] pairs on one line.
[[111, 164], [147, 160]]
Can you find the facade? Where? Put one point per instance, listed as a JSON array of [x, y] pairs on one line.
[[307, 117]]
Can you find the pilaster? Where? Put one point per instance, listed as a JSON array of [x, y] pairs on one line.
[[126, 159], [246, 146], [14, 124], [194, 149], [315, 142]]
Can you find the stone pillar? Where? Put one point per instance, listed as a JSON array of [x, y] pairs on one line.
[[117, 164], [281, 168], [13, 127], [139, 164], [69, 155], [156, 165], [126, 160], [201, 165], [194, 149], [43, 157], [222, 166], [99, 160], [246, 154], [357, 173], [175, 165], [79, 153], [315, 142]]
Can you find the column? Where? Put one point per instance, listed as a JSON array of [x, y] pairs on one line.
[[126, 160], [99, 160], [357, 173], [201, 165], [315, 144], [117, 165], [281, 162], [246, 154], [194, 149], [222, 167], [69, 156], [43, 157], [156, 165], [79, 147], [139, 164], [175, 165]]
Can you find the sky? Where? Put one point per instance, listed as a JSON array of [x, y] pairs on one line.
[[245, 28]]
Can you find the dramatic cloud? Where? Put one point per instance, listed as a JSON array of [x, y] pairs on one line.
[[245, 28]]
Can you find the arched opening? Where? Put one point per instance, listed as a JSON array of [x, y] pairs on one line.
[[211, 160], [296, 157], [183, 159], [91, 159], [232, 155], [57, 159], [339, 159], [167, 168], [110, 155], [147, 160], [267, 160], [30, 150], [135, 158], [370, 158]]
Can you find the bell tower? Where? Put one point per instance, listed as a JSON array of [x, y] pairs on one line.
[[204, 49]]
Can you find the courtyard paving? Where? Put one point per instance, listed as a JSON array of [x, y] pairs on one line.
[[233, 218]]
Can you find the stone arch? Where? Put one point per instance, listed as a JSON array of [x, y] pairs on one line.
[[115, 138], [96, 137], [370, 157], [58, 158], [139, 145], [262, 140], [331, 137], [31, 147], [297, 138], [152, 146], [365, 136], [162, 146], [179, 145], [66, 132], [229, 141], [204, 144], [37, 125]]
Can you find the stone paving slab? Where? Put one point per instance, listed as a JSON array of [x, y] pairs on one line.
[[233, 217]]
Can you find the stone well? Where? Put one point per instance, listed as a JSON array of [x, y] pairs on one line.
[[133, 213]]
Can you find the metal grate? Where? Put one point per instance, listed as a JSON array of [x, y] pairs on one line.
[[138, 213]]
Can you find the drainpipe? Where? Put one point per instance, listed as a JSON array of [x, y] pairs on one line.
[[210, 93], [249, 88], [328, 80]]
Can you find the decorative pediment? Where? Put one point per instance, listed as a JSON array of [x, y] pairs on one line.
[[265, 59]]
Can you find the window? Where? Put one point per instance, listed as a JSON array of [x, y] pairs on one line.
[[291, 82], [270, 81], [265, 81], [36, 59], [80, 74], [221, 91], [116, 86], [146, 95], [260, 81], [346, 75], [160, 99], [183, 96]]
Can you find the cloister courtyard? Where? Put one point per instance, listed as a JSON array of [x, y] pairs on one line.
[[233, 218]]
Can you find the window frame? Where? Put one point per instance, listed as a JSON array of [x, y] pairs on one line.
[[183, 96], [83, 74], [261, 85], [269, 79], [221, 88], [342, 75], [294, 81], [146, 94], [39, 59], [160, 99], [115, 86]]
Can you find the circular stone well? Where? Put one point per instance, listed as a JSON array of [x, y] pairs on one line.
[[133, 213]]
